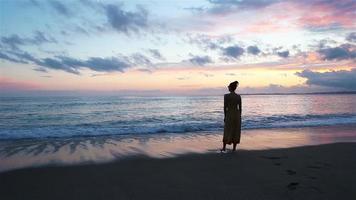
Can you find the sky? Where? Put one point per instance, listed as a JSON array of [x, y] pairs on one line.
[[177, 47]]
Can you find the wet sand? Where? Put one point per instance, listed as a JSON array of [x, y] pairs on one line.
[[70, 151], [311, 172]]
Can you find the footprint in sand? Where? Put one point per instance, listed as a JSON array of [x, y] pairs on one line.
[[323, 164], [273, 157], [292, 185], [291, 172], [314, 167], [311, 177], [315, 189], [319, 165]]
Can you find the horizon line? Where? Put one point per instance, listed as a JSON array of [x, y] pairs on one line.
[[146, 93]]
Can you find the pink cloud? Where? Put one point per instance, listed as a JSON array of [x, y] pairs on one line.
[[266, 26], [8, 84], [289, 15], [327, 13]]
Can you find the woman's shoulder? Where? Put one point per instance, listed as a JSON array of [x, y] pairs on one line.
[[237, 95], [231, 94]]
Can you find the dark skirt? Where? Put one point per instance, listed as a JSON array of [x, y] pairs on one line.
[[232, 127]]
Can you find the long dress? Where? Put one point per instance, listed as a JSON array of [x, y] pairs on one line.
[[232, 127]]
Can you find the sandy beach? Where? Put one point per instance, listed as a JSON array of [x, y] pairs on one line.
[[311, 172]]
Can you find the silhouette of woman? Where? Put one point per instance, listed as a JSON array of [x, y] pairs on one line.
[[232, 117]]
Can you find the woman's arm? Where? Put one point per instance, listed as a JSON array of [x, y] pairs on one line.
[[225, 107], [240, 105]]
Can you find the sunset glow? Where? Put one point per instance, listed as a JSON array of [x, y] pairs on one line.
[[177, 47]]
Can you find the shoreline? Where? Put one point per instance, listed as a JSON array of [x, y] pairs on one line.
[[141, 135], [73, 151], [310, 172]]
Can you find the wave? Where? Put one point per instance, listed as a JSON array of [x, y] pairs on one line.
[[150, 126], [286, 121]]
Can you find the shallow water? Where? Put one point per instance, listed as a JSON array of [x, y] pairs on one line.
[[36, 152], [86, 116]]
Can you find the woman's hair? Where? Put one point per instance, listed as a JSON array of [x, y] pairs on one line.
[[233, 85]]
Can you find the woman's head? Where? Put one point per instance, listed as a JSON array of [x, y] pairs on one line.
[[233, 85]]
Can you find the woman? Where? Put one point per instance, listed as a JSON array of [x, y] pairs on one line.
[[232, 113]]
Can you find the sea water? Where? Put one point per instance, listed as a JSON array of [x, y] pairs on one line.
[[83, 116], [46, 130]]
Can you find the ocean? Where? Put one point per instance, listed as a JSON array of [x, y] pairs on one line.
[[88, 116]]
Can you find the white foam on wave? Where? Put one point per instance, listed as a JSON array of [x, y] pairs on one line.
[[88, 130]]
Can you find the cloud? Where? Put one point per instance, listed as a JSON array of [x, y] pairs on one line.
[[114, 15], [327, 15], [125, 21], [230, 74], [14, 41], [41, 37], [112, 64], [4, 56], [145, 70], [324, 43], [80, 29], [59, 64], [18, 57], [245, 4], [200, 60], [195, 9], [337, 79], [254, 50], [233, 51], [351, 37], [227, 6], [156, 54], [183, 78], [207, 42], [24, 56], [60, 8], [316, 15], [342, 52], [34, 3], [280, 89], [41, 70], [73, 65], [283, 54], [207, 75], [141, 60]]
